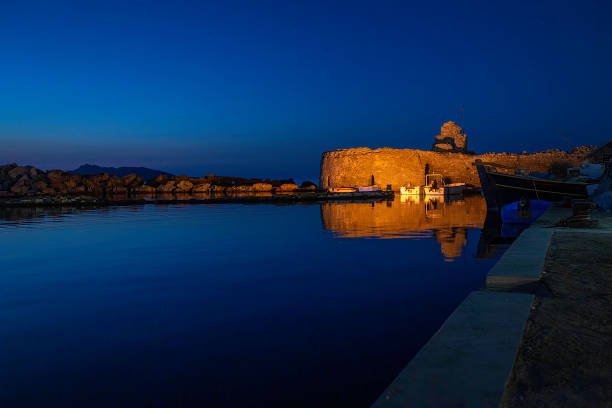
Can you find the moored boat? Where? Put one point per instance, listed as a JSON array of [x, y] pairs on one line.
[[454, 189], [342, 189], [368, 189], [411, 190], [501, 188], [440, 188]]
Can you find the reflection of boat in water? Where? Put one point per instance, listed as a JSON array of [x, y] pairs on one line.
[[433, 207], [495, 236], [408, 217], [501, 188]]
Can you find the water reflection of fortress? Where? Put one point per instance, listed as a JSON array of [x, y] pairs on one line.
[[408, 217]]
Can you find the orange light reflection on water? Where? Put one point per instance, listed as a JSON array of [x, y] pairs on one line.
[[409, 217]]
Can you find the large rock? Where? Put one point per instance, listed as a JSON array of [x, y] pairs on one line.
[[131, 179], [262, 187], [183, 186], [144, 189], [17, 172], [115, 189], [158, 181], [201, 188], [244, 189], [288, 187], [39, 187], [167, 187], [20, 188], [55, 176]]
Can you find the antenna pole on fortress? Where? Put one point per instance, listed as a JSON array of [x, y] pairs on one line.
[[462, 118]]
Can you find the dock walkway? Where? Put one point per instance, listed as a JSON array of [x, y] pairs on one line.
[[539, 334]]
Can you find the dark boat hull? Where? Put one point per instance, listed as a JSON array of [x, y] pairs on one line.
[[500, 189]]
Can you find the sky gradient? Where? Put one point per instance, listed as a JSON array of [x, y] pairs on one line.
[[261, 89]]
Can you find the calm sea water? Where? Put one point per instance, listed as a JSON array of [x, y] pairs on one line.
[[227, 305]]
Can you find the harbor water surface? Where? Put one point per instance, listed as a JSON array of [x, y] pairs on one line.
[[227, 305]]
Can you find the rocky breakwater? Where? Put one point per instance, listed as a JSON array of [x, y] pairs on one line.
[[27, 184], [220, 184], [27, 180]]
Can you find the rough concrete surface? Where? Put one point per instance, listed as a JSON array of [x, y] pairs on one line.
[[565, 357]]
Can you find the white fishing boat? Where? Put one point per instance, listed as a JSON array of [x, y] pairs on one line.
[[411, 190], [435, 186]]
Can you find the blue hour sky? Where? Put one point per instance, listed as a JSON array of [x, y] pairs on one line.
[[261, 88]]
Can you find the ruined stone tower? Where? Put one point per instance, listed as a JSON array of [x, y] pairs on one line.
[[450, 139]]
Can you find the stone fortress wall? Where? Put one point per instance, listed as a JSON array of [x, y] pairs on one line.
[[403, 167]]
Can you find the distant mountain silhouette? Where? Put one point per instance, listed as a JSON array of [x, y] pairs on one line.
[[145, 173]]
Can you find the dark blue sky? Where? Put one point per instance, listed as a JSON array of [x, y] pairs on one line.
[[262, 88]]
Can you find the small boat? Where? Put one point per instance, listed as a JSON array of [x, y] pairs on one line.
[[523, 211], [454, 189], [368, 189], [342, 190], [501, 188], [411, 190], [439, 188]]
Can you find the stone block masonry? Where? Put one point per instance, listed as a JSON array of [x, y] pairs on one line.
[[403, 167], [450, 139]]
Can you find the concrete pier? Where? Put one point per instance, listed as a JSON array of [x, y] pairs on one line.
[[468, 361]]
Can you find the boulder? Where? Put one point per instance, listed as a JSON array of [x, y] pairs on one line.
[[92, 186], [59, 188], [20, 188], [183, 186], [39, 187], [244, 189], [55, 176], [144, 189], [201, 188], [158, 181], [308, 184], [80, 188], [17, 172], [115, 189], [262, 187], [288, 187], [130, 179], [167, 187]]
